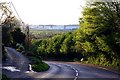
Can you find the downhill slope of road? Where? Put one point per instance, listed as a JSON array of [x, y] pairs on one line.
[[15, 65], [57, 70], [16, 59]]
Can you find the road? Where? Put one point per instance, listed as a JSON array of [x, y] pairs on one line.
[[64, 71], [74, 71], [18, 66], [16, 59]]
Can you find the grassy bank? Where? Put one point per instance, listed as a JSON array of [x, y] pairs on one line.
[[40, 67], [37, 64]]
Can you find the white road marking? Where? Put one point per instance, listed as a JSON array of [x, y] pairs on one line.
[[30, 72], [76, 75], [11, 68]]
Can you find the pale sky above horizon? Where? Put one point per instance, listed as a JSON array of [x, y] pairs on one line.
[[49, 11]]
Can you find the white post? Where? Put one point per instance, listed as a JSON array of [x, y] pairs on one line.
[[30, 68]]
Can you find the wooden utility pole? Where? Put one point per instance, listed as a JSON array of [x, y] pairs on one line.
[[27, 37]]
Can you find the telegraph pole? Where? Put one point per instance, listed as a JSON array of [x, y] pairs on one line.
[[27, 37]]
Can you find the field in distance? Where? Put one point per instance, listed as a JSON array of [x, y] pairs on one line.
[[43, 34]]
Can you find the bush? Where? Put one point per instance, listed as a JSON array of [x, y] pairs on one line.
[[40, 67], [37, 64], [76, 60]]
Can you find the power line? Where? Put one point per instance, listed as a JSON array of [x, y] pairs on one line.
[[16, 11], [22, 23]]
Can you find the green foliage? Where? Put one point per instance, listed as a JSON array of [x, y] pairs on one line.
[[59, 47], [20, 48], [40, 67], [37, 63], [97, 40], [18, 36], [36, 42], [44, 34], [8, 23], [88, 47], [68, 43], [97, 34], [102, 45], [35, 59]]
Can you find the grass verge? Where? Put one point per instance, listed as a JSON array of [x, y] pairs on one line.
[[40, 67]]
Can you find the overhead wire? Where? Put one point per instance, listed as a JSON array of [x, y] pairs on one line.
[[22, 23], [16, 11]]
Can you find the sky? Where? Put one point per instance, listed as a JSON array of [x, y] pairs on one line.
[[58, 12]]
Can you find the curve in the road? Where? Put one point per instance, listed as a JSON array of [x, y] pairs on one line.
[[57, 71], [74, 71]]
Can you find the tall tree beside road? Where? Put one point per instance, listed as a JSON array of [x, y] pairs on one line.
[[8, 22], [100, 32], [18, 36]]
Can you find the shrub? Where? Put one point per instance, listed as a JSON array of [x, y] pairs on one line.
[[40, 67]]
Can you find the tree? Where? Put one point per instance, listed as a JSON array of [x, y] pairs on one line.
[[99, 33], [57, 43], [8, 22], [42, 49], [67, 46], [18, 36]]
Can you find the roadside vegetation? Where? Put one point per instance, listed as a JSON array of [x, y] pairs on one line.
[[97, 41], [41, 66], [14, 36]]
